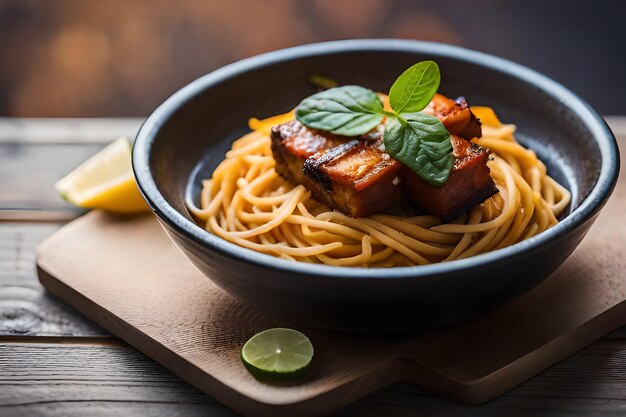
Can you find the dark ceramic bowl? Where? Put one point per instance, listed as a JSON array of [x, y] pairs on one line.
[[187, 136]]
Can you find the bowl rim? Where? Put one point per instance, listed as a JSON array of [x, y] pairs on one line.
[[586, 210]]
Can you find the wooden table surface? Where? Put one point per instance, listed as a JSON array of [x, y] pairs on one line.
[[55, 362]]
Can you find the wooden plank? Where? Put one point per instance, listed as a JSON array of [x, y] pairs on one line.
[[590, 383], [79, 380], [25, 308], [67, 131], [35, 153], [28, 173]]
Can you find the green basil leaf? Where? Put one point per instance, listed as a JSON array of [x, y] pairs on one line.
[[414, 89], [423, 144], [349, 110]]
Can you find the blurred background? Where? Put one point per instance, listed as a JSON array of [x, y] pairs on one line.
[[94, 58]]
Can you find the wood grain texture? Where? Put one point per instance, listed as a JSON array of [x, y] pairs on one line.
[[151, 296], [93, 380], [35, 153], [29, 172], [590, 383], [66, 131], [111, 381], [25, 309]]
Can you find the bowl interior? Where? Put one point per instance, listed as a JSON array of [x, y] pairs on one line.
[[212, 112]]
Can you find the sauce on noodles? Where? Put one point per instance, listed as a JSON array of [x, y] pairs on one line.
[[246, 202]]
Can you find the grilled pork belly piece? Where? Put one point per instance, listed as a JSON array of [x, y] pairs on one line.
[[469, 183], [356, 178], [455, 116], [293, 143], [352, 176]]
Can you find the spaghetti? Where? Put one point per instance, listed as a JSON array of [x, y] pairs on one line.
[[246, 202]]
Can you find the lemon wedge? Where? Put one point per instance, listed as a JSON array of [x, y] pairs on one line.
[[105, 181]]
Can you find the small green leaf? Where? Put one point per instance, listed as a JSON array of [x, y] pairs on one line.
[[349, 110], [322, 82], [415, 87], [423, 144]]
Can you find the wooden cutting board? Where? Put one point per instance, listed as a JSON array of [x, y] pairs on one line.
[[126, 275]]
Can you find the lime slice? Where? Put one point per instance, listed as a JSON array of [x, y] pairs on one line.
[[277, 354], [104, 181]]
